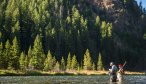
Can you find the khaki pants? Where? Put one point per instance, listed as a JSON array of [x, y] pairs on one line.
[[119, 77]]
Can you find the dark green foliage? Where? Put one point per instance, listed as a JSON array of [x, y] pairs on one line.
[[38, 56], [74, 63], [87, 60], [22, 61], [63, 67], [99, 63], [7, 54], [68, 62], [62, 26], [49, 62], [15, 54], [57, 66]]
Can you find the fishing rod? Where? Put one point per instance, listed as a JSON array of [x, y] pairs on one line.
[[124, 64]]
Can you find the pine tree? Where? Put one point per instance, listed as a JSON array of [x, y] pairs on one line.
[[63, 67], [69, 62], [57, 66], [87, 60], [54, 61], [83, 23], [26, 62], [93, 66], [75, 16], [99, 63], [74, 63], [109, 29], [48, 64], [7, 54], [103, 30], [22, 61], [38, 54], [97, 23], [29, 53], [15, 54]]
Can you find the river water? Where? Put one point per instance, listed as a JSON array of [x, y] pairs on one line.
[[128, 79]]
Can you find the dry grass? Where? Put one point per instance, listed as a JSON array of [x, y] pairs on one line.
[[134, 73], [68, 72]]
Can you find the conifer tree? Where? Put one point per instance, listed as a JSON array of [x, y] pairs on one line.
[[109, 29], [26, 62], [7, 54], [99, 63], [38, 54], [69, 62], [87, 60], [75, 16], [22, 61], [103, 30], [15, 54], [74, 63], [93, 66], [63, 67], [29, 54], [48, 64], [57, 66], [54, 61], [31, 63], [97, 23]]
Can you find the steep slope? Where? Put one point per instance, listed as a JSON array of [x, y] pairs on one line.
[[128, 21], [58, 28]]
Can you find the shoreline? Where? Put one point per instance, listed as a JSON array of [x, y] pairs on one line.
[[61, 73]]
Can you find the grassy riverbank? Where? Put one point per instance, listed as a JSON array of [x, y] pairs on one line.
[[53, 73]]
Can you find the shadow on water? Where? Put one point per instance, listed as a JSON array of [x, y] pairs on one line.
[[139, 79]]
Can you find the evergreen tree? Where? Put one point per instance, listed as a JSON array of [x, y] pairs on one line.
[[38, 54], [69, 62], [48, 64], [99, 63], [54, 61], [29, 53], [22, 61], [93, 66], [109, 30], [74, 63], [7, 54], [26, 62], [97, 23], [103, 30], [63, 67], [57, 66], [87, 60], [70, 26], [15, 54]]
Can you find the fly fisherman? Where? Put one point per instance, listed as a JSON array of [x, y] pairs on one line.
[[120, 73], [113, 72]]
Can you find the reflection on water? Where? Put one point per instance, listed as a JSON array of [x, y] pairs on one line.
[[68, 80]]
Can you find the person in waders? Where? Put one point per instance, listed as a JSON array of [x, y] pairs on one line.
[[120, 73], [113, 72]]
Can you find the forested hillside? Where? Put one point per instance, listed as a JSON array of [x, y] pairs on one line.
[[72, 34]]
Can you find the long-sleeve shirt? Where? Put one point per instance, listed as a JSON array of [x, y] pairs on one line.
[[113, 69]]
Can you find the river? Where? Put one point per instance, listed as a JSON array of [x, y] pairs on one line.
[[128, 79]]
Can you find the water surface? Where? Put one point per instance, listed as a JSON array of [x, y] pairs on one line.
[[137, 79]]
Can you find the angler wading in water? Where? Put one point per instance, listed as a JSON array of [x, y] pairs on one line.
[[120, 73], [113, 72]]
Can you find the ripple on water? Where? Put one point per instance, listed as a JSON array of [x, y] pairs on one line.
[[68, 80]]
